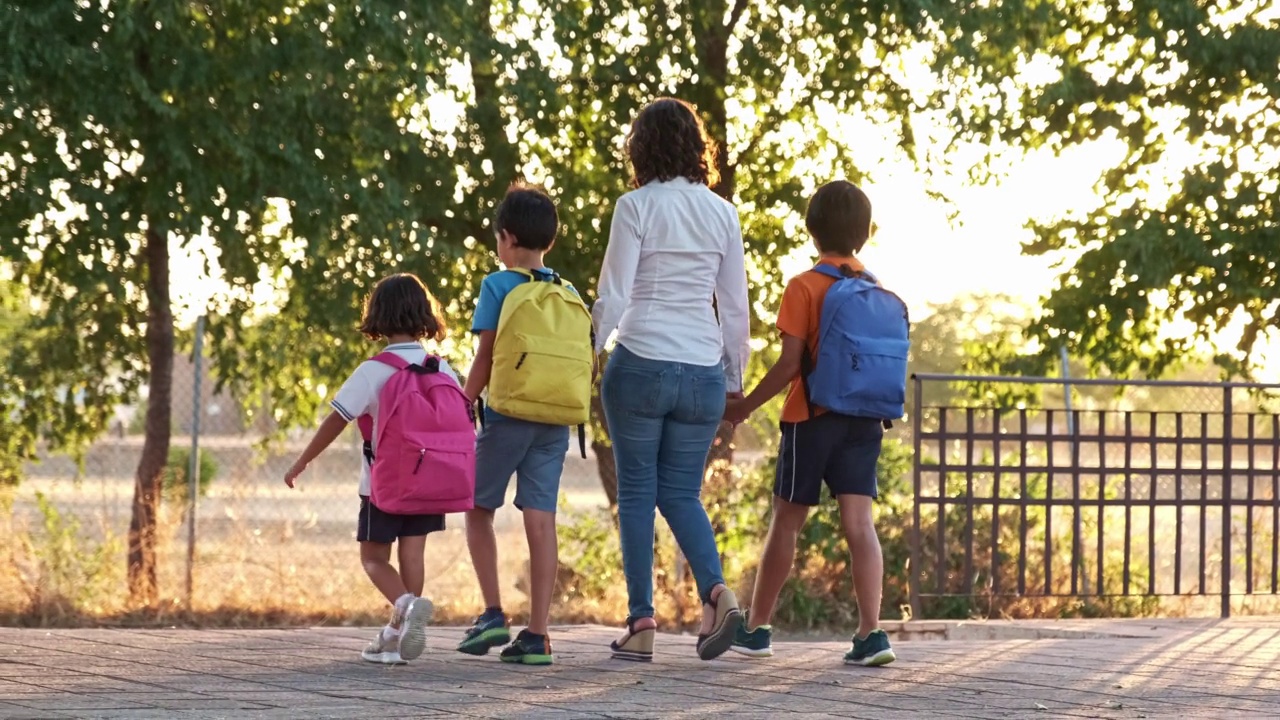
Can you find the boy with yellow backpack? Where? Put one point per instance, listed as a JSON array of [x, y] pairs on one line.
[[537, 360]]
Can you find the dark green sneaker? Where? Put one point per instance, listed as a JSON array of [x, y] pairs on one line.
[[757, 643], [871, 651], [490, 631], [529, 649]]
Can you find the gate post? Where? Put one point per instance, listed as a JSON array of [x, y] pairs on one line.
[[1227, 492], [917, 425]]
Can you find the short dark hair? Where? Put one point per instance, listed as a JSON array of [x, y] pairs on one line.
[[529, 214], [667, 140], [401, 305], [839, 217]]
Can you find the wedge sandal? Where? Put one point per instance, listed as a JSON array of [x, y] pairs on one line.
[[638, 645], [728, 619]]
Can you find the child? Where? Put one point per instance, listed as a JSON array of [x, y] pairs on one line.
[[402, 311], [840, 448], [535, 356]]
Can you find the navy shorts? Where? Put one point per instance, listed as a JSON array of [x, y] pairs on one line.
[[533, 452], [839, 450], [380, 527]]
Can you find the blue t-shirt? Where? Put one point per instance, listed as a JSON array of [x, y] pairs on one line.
[[493, 292]]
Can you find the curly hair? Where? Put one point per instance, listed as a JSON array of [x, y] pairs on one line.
[[401, 305], [667, 141]]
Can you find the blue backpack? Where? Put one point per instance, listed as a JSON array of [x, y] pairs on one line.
[[861, 368]]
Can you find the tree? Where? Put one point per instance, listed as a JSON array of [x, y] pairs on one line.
[[774, 82], [132, 130], [1185, 94]]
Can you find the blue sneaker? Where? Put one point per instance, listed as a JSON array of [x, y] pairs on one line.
[[490, 631], [871, 651], [756, 643]]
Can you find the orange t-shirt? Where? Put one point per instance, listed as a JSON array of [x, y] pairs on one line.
[[800, 316]]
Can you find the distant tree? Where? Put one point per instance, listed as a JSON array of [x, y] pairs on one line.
[[1186, 225], [131, 129]]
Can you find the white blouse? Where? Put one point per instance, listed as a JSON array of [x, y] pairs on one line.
[[673, 246]]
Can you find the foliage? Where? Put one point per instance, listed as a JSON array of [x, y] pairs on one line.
[[268, 139], [71, 566], [176, 480], [1183, 97], [13, 317]]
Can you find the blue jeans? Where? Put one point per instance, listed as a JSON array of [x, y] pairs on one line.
[[662, 419]]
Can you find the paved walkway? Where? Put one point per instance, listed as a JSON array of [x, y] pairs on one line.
[[1166, 669]]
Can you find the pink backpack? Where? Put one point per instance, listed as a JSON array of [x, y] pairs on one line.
[[426, 446]]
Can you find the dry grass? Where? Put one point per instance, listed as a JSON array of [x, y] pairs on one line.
[[72, 574]]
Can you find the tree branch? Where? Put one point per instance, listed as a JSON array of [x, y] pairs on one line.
[[772, 117], [739, 6]]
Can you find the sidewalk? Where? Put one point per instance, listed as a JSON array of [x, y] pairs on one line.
[[1094, 669]]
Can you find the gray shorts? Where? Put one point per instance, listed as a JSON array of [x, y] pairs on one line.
[[533, 452]]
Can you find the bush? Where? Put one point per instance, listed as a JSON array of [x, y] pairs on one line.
[[175, 481]]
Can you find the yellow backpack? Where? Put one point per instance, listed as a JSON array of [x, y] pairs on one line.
[[543, 352]]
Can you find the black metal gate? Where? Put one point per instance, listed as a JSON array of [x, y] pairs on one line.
[[1146, 489]]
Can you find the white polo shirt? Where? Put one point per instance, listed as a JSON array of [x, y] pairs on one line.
[[359, 394]]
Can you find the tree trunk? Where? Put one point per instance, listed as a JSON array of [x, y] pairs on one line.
[[606, 466], [715, 63], [143, 588]]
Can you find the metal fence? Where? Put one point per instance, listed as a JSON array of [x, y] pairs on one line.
[[1143, 489]]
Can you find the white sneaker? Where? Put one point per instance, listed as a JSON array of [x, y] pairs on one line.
[[413, 629], [383, 651]]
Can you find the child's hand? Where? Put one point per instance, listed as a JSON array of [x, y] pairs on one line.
[[292, 474]]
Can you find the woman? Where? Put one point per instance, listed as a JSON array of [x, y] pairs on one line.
[[674, 246]]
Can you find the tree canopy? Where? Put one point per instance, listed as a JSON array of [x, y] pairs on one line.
[[1185, 96]]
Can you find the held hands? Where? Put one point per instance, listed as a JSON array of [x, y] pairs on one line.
[[735, 409]]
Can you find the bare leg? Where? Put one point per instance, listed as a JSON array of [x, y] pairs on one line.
[[484, 554], [867, 559], [777, 560], [410, 551], [376, 559], [540, 530]]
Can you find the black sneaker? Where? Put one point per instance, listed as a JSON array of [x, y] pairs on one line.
[[490, 631], [871, 651], [529, 649]]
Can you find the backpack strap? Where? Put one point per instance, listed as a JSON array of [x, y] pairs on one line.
[[843, 272], [538, 276], [365, 422]]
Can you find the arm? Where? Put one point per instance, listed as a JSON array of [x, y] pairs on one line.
[[775, 381], [734, 309], [329, 431], [482, 367], [618, 274]]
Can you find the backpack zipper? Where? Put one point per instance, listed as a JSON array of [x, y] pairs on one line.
[[421, 454], [521, 360]]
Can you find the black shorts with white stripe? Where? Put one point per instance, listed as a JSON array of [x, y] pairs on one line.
[[836, 449]]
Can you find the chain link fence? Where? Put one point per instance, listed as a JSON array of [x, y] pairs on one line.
[[256, 546]]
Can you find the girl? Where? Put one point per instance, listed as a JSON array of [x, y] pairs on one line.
[[402, 311], [674, 248]]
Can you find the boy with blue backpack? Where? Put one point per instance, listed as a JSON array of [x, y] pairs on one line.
[[844, 356]]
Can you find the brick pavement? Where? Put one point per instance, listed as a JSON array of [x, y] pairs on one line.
[[1121, 669]]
